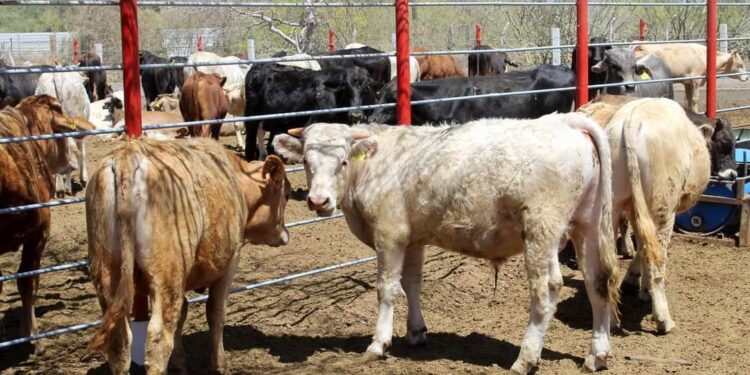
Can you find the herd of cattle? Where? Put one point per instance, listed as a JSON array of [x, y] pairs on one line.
[[164, 217]]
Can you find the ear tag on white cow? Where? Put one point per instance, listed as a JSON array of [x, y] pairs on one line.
[[645, 76], [359, 156]]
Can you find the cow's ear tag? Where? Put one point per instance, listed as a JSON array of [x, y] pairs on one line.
[[72, 125], [359, 156], [645, 76]]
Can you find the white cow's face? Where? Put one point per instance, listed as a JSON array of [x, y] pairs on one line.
[[325, 151], [739, 65]]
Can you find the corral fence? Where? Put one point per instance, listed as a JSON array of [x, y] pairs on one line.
[[131, 68]]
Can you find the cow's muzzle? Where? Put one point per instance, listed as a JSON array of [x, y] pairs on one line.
[[321, 205], [357, 116], [728, 175]]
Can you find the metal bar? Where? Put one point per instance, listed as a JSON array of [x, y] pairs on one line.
[[741, 38], [199, 299], [178, 3], [732, 74], [41, 271], [712, 25], [403, 86], [131, 71], [28, 207], [741, 108], [582, 37]]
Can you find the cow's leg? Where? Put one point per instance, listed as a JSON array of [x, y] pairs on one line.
[[390, 264], [411, 281], [624, 242], [117, 347], [657, 275], [31, 256], [60, 185], [238, 128], [178, 360], [166, 308], [692, 95], [262, 149], [83, 173], [216, 314], [586, 240], [545, 281]]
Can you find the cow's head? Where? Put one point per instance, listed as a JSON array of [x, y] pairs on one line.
[[596, 53], [721, 148], [619, 65], [349, 87], [266, 189], [326, 151], [738, 65]]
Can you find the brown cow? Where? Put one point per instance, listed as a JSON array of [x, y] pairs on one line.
[[166, 217], [438, 66], [204, 99], [26, 171]]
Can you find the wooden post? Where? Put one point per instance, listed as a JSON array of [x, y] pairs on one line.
[[556, 56], [99, 51], [251, 49]]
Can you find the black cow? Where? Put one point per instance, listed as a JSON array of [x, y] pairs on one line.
[[274, 88], [178, 73], [620, 65], [488, 64], [156, 81], [721, 147], [379, 68], [14, 87], [515, 106], [96, 85], [596, 54]]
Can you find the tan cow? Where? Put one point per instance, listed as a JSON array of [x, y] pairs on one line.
[[26, 171], [660, 166], [204, 99], [168, 217], [158, 118], [689, 60]]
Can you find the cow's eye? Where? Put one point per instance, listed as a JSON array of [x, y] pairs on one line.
[[344, 163]]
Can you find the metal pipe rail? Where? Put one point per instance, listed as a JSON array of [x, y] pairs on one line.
[[66, 201], [732, 109], [199, 299], [84, 262], [177, 3]]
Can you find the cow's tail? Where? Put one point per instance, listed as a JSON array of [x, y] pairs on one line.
[[643, 224], [607, 282], [118, 310]]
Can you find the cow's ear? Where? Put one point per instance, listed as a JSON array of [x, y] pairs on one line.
[[274, 167], [290, 148], [707, 131], [223, 81], [600, 67], [363, 150], [65, 124]]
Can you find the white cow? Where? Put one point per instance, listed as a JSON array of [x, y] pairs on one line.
[[68, 88], [490, 189], [414, 70], [99, 115], [660, 166]]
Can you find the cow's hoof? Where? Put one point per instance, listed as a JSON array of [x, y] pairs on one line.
[[665, 326], [375, 351], [417, 337], [39, 348], [595, 363], [523, 367]]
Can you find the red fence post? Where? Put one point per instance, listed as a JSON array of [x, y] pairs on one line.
[[331, 40], [403, 104], [478, 35], [200, 43], [131, 67], [642, 30], [75, 51], [582, 49], [711, 47], [132, 82]]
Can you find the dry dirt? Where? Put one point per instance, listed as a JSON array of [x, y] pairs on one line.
[[322, 324]]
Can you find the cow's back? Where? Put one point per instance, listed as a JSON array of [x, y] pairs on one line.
[[25, 179], [439, 180], [683, 60], [187, 206]]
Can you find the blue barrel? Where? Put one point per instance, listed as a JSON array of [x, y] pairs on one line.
[[709, 218]]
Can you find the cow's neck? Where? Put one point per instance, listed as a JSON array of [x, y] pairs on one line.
[[724, 62]]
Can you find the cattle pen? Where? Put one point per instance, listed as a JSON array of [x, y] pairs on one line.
[[131, 71]]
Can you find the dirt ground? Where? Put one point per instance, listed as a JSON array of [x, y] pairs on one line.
[[323, 324]]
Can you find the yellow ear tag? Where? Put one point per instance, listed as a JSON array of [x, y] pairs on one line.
[[645, 76], [72, 125], [359, 156]]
